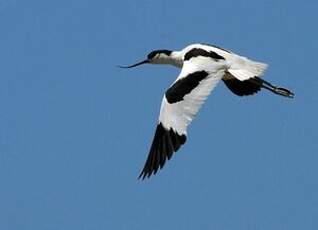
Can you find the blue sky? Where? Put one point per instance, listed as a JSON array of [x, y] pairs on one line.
[[75, 129]]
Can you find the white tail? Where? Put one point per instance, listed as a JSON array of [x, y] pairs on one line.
[[244, 69]]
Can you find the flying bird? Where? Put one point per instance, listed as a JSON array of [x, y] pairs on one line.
[[202, 67]]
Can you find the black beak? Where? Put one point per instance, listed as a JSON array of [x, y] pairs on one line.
[[137, 64]]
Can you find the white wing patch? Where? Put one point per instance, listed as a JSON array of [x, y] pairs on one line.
[[180, 114], [179, 106]]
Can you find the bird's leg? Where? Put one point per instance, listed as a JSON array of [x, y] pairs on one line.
[[277, 90]]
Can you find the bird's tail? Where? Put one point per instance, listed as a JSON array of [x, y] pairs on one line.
[[277, 90], [244, 69]]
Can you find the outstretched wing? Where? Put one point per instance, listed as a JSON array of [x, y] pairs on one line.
[[180, 104]]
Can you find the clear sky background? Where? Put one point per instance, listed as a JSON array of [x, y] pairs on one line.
[[75, 130]]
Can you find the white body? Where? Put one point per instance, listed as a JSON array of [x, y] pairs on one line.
[[179, 115], [241, 67]]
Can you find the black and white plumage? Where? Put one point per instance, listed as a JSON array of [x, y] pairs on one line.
[[203, 66]]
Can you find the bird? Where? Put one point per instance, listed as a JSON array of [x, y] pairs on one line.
[[202, 66]]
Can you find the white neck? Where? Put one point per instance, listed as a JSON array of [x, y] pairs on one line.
[[176, 59]]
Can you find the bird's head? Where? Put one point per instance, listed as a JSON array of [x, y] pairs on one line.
[[154, 57]]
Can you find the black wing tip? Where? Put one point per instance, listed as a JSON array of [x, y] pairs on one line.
[[142, 175], [164, 144]]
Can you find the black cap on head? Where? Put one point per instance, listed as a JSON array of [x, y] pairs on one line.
[[152, 54]]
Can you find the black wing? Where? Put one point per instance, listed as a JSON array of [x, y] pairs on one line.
[[164, 144]]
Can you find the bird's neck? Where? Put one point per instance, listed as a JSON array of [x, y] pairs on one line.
[[176, 59]]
